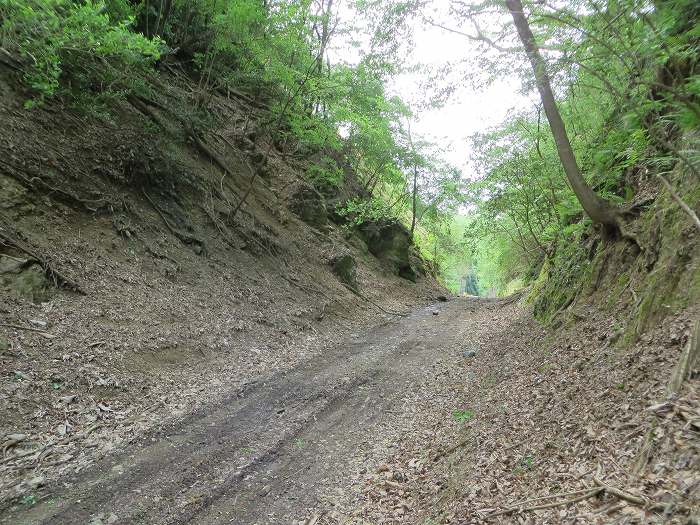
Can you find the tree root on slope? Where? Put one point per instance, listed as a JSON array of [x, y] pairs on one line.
[[36, 182], [518, 507], [367, 299], [13, 241], [185, 238], [687, 209]]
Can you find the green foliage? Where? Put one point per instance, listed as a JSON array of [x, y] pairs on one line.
[[564, 277], [358, 210], [28, 499], [524, 464], [325, 173], [462, 416], [77, 49], [91, 53], [628, 88]]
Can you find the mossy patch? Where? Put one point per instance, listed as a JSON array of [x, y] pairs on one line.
[[345, 267], [566, 277]]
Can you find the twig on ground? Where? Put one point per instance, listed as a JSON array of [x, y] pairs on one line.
[[450, 450], [560, 495], [43, 333], [518, 508], [19, 456], [635, 500], [365, 298], [47, 446], [585, 494]]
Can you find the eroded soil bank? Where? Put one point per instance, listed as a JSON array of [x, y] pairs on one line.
[[131, 295]]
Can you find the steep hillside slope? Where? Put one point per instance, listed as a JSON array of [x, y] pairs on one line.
[[134, 288]]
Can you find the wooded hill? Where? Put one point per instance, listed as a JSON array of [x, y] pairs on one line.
[[168, 161]]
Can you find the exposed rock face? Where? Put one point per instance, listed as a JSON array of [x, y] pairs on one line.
[[308, 204], [387, 239], [420, 265], [24, 278], [345, 267], [390, 241]]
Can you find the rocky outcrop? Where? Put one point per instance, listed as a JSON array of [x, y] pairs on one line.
[[24, 278], [345, 268], [390, 241], [308, 204]]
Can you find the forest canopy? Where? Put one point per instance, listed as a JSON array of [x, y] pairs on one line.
[[618, 108]]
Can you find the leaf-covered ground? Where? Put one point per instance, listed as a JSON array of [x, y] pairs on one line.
[[542, 427], [467, 412]]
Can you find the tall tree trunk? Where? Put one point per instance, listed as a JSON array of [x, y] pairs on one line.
[[415, 199], [326, 13], [414, 204], [598, 209]]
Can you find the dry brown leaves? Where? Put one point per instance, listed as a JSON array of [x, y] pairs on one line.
[[559, 424]]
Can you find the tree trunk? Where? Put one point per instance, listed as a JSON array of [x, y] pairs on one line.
[[415, 199], [598, 209], [414, 204]]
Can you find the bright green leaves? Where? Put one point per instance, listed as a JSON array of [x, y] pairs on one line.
[[462, 416], [626, 81], [325, 173], [76, 48]]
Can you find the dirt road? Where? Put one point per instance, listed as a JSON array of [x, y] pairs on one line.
[[273, 451]]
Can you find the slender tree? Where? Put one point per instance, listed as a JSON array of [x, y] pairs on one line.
[[414, 202], [598, 209]]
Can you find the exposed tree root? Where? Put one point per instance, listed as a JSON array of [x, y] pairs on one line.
[[228, 91], [637, 500], [220, 226], [583, 494], [518, 507], [13, 241], [367, 299], [185, 238], [42, 450], [625, 232], [206, 150], [147, 110], [36, 182], [144, 107]]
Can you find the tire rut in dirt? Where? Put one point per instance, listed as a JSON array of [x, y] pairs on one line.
[[180, 473]]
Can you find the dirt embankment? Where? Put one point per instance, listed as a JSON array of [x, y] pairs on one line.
[[141, 315], [131, 294]]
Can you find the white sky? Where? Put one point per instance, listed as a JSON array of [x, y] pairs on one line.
[[468, 110]]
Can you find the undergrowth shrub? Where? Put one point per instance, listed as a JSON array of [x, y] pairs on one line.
[[79, 49]]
